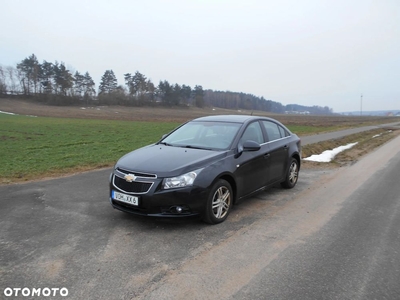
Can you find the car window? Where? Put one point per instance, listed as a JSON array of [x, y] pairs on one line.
[[274, 131], [209, 135], [283, 131], [253, 132], [191, 130]]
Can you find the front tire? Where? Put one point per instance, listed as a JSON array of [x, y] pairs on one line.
[[219, 202], [292, 174]]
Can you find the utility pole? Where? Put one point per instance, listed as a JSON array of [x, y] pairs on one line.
[[361, 106]]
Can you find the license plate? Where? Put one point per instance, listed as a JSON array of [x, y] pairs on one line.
[[133, 200]]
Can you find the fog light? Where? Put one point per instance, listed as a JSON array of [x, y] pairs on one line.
[[179, 209]]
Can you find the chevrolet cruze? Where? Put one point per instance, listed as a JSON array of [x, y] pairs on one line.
[[205, 166]]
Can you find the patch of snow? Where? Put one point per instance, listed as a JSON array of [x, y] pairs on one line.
[[7, 113], [328, 155], [376, 135]]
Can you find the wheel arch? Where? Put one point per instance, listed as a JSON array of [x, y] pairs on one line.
[[232, 182], [296, 156]]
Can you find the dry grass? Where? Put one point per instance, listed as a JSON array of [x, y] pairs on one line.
[[174, 114], [366, 142]]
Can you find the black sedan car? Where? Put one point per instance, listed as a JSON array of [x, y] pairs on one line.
[[204, 166]]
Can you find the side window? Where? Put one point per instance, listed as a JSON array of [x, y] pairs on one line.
[[253, 132], [283, 132], [273, 130]]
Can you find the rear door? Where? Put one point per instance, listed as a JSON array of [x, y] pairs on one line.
[[278, 146]]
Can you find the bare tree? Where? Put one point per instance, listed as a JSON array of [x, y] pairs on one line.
[[3, 86], [13, 86]]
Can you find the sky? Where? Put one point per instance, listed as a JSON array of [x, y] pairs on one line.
[[307, 52]]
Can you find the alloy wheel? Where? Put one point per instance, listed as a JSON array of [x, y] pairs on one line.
[[293, 173], [221, 202]]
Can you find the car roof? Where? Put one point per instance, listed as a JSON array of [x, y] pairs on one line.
[[231, 118]]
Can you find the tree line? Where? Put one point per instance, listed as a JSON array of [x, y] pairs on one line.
[[54, 84]]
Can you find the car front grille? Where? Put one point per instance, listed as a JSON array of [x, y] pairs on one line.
[[132, 187]]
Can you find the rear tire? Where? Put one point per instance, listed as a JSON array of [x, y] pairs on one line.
[[292, 174], [219, 202]]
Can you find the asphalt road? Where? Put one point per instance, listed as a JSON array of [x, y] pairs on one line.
[[356, 255], [335, 236]]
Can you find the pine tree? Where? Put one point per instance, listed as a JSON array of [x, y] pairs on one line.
[[199, 96], [108, 82], [63, 79], [46, 76], [29, 68], [88, 90]]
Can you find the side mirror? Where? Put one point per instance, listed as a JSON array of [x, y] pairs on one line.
[[247, 146], [251, 146], [163, 136]]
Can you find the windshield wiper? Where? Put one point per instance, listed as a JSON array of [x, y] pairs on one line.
[[165, 144], [196, 147]]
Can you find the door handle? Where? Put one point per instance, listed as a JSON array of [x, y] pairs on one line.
[[267, 155]]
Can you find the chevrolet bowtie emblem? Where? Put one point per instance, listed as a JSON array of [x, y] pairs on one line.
[[130, 177]]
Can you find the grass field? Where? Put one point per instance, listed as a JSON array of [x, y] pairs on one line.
[[44, 146], [32, 147], [80, 139]]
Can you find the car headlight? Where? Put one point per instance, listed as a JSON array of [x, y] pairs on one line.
[[181, 181]]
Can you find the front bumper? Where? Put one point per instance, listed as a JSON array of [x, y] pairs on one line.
[[180, 202]]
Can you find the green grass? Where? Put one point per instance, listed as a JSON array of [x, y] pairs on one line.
[[36, 147], [33, 147], [311, 129]]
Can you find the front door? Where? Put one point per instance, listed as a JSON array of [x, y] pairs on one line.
[[251, 173]]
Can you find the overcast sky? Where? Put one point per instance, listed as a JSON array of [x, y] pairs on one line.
[[308, 52]]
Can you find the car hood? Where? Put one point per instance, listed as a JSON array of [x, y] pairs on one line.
[[168, 161]]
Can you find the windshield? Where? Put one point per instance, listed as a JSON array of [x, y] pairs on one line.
[[203, 135]]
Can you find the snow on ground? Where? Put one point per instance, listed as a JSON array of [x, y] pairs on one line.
[[7, 113], [328, 155]]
